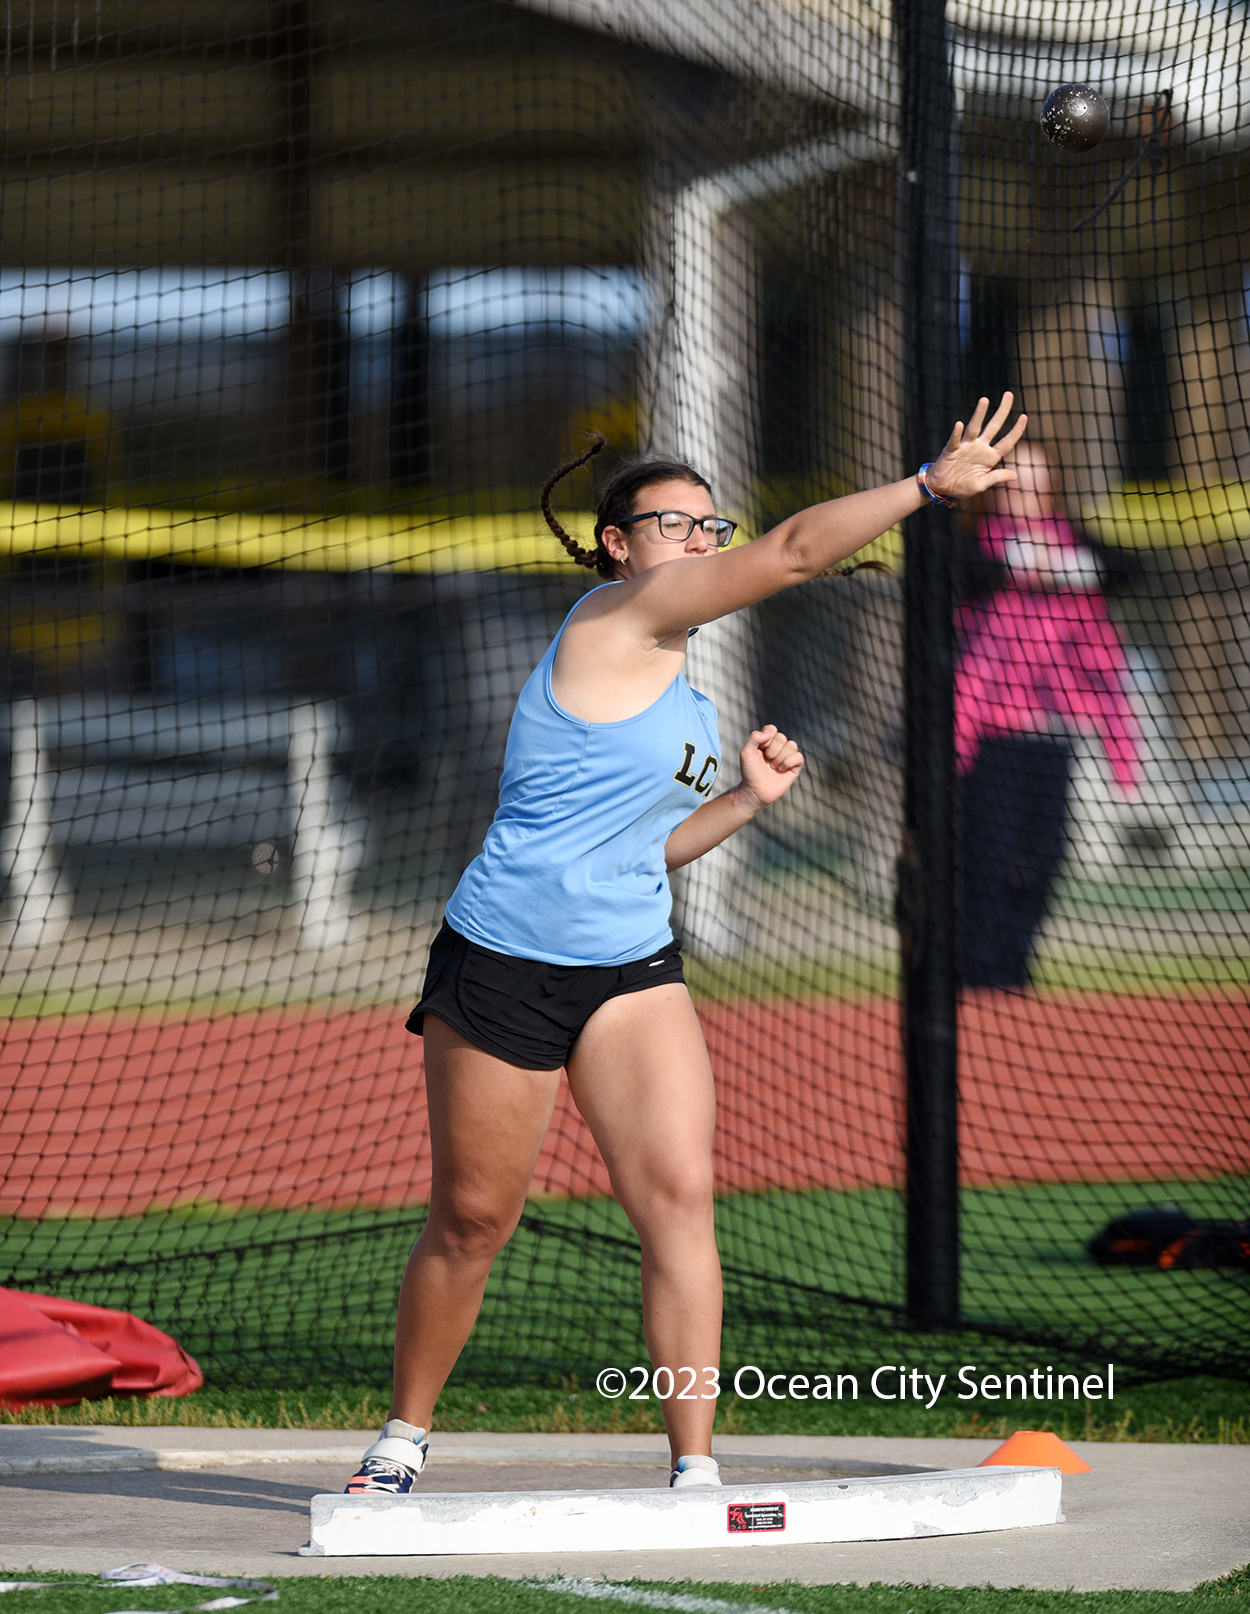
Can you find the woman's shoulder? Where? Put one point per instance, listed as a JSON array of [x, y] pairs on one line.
[[603, 600]]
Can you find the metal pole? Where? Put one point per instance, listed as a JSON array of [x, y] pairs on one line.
[[711, 339], [36, 896], [328, 843], [927, 888]]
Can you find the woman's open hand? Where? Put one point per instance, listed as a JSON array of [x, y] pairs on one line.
[[971, 462], [770, 765]]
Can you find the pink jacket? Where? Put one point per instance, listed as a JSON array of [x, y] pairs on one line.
[[1029, 655]]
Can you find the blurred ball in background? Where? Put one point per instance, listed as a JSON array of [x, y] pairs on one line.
[[265, 858]]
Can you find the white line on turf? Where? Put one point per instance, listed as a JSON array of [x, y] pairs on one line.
[[682, 1602]]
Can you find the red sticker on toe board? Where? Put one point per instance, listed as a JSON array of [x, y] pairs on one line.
[[756, 1516]]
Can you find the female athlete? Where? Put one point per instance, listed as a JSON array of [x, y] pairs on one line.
[[557, 950]]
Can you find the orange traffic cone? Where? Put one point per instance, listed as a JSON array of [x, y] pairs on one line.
[[1030, 1448]]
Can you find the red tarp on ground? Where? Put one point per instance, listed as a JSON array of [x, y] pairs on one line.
[[54, 1352], [112, 1114]]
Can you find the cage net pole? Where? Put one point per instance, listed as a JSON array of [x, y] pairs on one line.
[[927, 900]]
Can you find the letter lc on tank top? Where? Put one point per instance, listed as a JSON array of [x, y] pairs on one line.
[[572, 869]]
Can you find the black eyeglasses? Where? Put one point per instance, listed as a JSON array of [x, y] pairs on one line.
[[676, 526]]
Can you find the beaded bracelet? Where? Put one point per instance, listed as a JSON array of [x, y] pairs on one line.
[[922, 476]]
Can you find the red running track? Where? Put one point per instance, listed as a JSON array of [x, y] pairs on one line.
[[111, 1115]]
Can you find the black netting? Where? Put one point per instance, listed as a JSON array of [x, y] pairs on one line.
[[299, 304]]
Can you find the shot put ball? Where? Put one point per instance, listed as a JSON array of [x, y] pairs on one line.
[[1075, 117]]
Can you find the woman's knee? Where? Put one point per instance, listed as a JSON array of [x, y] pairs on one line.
[[677, 1208], [466, 1227]]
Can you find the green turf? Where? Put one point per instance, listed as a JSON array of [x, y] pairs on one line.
[[1188, 1411], [463, 1594], [273, 1298], [1136, 972], [1222, 889], [1191, 965]]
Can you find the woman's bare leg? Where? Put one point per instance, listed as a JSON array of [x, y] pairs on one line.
[[640, 1076], [488, 1120]]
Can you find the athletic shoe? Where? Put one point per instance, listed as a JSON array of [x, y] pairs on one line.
[[375, 1477], [692, 1471], [392, 1463]]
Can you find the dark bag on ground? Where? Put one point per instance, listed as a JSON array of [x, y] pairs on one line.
[[1167, 1236]]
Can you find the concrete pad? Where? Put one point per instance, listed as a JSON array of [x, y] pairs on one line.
[[1160, 1516], [104, 1449]]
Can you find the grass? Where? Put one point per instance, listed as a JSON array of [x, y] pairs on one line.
[[464, 1594], [1194, 1411], [1136, 973], [838, 975], [1223, 889], [136, 997], [1197, 1411], [1060, 967], [272, 1299]]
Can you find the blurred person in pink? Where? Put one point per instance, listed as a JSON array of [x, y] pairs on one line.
[[1040, 662]]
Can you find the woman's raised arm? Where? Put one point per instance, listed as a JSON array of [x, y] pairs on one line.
[[696, 589]]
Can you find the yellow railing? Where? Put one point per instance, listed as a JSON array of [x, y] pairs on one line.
[[1159, 518], [341, 544], [1172, 517]]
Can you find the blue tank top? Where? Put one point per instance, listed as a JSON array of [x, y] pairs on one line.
[[572, 869]]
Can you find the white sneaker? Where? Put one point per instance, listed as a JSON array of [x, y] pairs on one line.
[[392, 1463], [692, 1471]]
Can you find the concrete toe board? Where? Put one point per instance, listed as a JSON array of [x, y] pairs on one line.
[[1163, 1517], [885, 1507]]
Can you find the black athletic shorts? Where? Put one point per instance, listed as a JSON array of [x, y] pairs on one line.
[[525, 1012]]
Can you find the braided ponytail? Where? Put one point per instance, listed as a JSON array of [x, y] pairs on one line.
[[617, 500], [581, 557], [859, 566]]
